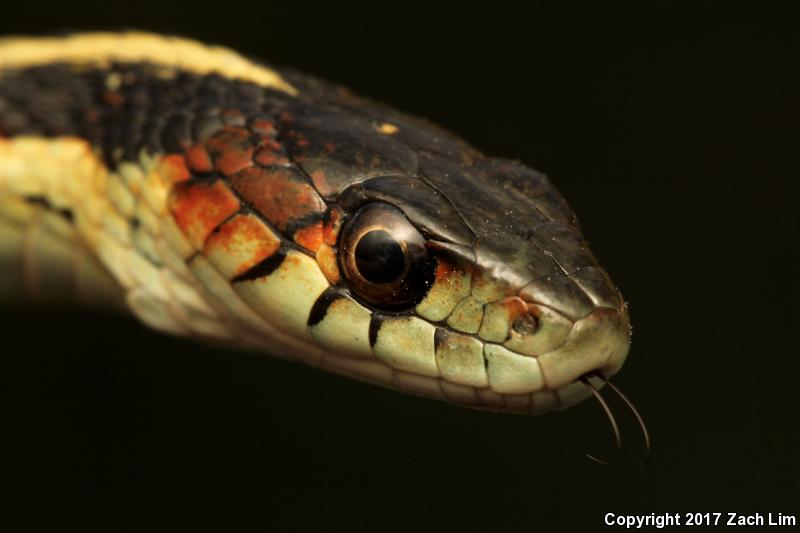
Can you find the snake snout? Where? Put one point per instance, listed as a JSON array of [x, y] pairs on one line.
[[598, 343]]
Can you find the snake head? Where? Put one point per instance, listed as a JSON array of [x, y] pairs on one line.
[[456, 276], [271, 210], [376, 245]]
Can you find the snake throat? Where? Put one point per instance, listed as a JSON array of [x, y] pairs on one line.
[[210, 197]]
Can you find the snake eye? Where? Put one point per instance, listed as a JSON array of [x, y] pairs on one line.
[[384, 259]]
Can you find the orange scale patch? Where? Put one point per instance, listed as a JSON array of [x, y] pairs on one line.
[[198, 208], [333, 223], [270, 152], [309, 237], [231, 149], [172, 168], [280, 194], [198, 159], [240, 244]]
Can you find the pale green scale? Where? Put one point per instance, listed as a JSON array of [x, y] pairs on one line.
[[175, 237], [459, 393], [222, 292], [416, 384], [576, 392], [285, 297], [153, 312], [605, 330], [117, 226], [406, 343], [520, 402], [131, 174], [496, 324], [344, 329], [149, 221], [146, 245], [544, 401], [551, 333], [120, 196], [490, 398], [444, 295], [147, 275], [467, 315], [487, 289], [186, 293], [511, 372], [460, 359], [365, 369]]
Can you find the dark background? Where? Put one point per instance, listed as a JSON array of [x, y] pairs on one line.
[[672, 131]]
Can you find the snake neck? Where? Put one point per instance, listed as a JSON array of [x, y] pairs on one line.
[[73, 231], [45, 253]]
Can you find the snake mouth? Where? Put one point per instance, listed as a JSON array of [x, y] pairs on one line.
[[598, 345], [584, 380], [598, 342]]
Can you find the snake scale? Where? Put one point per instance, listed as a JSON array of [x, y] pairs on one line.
[[221, 199]]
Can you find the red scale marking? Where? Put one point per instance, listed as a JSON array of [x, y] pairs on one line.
[[231, 149], [114, 99], [309, 237], [333, 223], [198, 208], [269, 152], [243, 234], [444, 271], [198, 159], [279, 194], [263, 127], [173, 168]]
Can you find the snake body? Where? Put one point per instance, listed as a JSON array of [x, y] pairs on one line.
[[221, 199]]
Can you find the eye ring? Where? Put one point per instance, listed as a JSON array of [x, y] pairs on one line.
[[384, 258]]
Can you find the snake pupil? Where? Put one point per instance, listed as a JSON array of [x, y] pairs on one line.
[[379, 257]]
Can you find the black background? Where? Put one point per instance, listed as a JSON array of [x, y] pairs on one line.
[[672, 131]]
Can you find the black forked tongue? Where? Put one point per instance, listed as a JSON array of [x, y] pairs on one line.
[[612, 420]]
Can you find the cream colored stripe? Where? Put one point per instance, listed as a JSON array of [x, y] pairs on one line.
[[100, 49]]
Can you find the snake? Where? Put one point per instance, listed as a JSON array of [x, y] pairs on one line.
[[226, 200]]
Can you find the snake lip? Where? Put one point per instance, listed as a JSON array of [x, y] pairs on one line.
[[599, 341], [584, 380]]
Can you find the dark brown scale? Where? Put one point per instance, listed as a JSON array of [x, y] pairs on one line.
[[206, 125], [176, 136], [281, 195], [418, 134], [418, 200], [336, 150]]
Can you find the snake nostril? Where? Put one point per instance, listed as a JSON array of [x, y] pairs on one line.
[[525, 324]]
